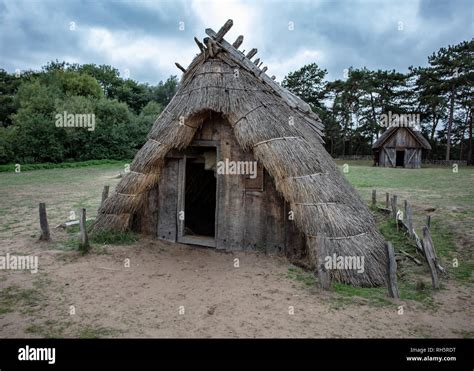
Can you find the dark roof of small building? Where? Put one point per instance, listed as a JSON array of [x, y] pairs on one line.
[[389, 132]]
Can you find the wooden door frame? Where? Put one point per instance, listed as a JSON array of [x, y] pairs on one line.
[[181, 237]]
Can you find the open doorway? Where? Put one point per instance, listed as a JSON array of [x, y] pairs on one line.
[[200, 193], [400, 161]]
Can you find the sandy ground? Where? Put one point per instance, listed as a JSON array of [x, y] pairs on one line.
[[97, 296], [173, 290]]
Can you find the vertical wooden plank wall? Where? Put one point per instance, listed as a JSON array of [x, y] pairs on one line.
[[246, 219], [166, 206]]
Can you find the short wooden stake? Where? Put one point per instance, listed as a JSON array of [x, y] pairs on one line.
[[45, 235], [409, 219], [199, 44], [374, 197], [428, 221], [84, 238], [391, 272], [224, 29], [430, 256], [405, 204], [251, 53], [387, 200], [238, 42], [321, 254], [180, 67], [394, 206], [105, 194]]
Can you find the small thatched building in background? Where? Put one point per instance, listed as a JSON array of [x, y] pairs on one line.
[[228, 110], [400, 147]]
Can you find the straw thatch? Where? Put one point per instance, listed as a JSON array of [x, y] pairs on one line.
[[283, 134]]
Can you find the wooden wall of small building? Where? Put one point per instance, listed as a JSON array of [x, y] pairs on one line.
[[246, 218], [401, 140]]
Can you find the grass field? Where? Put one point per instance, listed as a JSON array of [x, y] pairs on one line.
[[63, 190], [448, 197], [437, 191]]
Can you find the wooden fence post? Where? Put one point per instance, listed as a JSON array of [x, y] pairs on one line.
[[428, 221], [430, 256], [409, 220], [394, 206], [387, 200], [321, 254], [374, 197], [105, 194], [45, 235], [391, 272], [84, 238]]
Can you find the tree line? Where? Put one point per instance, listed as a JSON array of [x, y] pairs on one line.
[[124, 111], [352, 108]]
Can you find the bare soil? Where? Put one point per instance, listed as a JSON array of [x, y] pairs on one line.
[[172, 290]]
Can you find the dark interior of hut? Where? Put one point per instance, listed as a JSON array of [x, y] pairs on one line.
[[200, 194], [400, 158]]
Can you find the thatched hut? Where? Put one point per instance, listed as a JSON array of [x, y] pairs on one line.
[[227, 110], [400, 147]]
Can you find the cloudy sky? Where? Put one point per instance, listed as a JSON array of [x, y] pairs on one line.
[[145, 38]]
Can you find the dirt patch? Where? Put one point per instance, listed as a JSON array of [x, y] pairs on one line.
[[172, 290], [157, 289]]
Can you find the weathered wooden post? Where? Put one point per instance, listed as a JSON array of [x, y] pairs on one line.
[[394, 206], [374, 197], [238, 42], [105, 194], [430, 256], [391, 272], [224, 29], [405, 204], [428, 221], [45, 235], [84, 246], [409, 219], [387, 200], [321, 254]]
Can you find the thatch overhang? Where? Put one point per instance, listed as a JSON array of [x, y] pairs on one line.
[[282, 133]]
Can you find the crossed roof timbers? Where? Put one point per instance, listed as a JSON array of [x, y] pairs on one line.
[[215, 43]]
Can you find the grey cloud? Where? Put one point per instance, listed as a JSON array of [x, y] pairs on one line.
[[345, 32]]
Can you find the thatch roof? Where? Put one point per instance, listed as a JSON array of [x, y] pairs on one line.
[[283, 134], [392, 130]]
